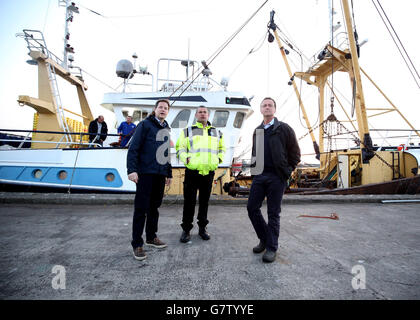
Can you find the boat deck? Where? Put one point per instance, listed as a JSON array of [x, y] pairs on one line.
[[315, 257]]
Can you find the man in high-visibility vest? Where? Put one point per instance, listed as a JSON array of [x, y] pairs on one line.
[[201, 148]]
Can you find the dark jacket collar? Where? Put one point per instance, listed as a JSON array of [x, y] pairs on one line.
[[156, 122], [275, 124]]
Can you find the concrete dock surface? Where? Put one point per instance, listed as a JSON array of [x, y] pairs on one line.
[[63, 250], [101, 199]]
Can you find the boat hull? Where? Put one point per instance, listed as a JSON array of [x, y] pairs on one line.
[[98, 170], [399, 186]]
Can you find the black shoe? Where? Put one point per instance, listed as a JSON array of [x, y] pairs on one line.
[[269, 256], [260, 248], [203, 234], [185, 237]]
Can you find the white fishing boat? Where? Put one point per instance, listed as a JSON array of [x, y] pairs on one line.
[[57, 155]]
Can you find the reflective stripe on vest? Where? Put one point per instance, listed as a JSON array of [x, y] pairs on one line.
[[192, 150], [180, 151], [192, 131]]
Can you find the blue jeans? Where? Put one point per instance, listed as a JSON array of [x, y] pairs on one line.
[[272, 186]]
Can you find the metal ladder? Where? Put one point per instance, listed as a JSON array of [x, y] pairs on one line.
[[36, 42], [396, 165], [56, 94]]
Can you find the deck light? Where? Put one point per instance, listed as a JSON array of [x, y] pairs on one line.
[[32, 62]]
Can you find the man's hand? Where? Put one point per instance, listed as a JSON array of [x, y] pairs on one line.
[[133, 177], [168, 181]]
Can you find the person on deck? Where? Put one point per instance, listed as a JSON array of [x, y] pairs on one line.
[[98, 131], [126, 130]]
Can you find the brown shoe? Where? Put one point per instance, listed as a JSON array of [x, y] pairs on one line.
[[156, 243], [139, 254]]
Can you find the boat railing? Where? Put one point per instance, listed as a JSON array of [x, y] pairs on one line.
[[36, 42], [53, 142], [27, 139], [381, 138], [77, 72], [191, 82], [341, 41], [127, 84], [169, 82]]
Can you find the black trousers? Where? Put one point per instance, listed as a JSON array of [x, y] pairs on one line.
[[272, 186], [194, 182], [149, 194]]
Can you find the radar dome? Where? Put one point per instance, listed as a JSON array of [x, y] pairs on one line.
[[124, 69]]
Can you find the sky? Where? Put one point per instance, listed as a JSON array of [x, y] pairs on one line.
[[162, 28]]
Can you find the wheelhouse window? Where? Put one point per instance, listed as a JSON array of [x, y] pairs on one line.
[[239, 119], [220, 118], [181, 119], [138, 115]]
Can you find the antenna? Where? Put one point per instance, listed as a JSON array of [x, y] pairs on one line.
[[188, 61], [70, 8]]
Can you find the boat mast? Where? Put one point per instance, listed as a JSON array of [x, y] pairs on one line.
[[70, 8], [360, 107], [50, 111], [273, 27]]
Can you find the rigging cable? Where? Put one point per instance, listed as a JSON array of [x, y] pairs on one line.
[[142, 15], [332, 58], [105, 84], [268, 69], [398, 47], [301, 56], [216, 54], [292, 47], [287, 41], [253, 50], [46, 16], [91, 75], [226, 43], [211, 58]]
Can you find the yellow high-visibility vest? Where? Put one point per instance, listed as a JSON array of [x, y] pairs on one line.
[[204, 146]]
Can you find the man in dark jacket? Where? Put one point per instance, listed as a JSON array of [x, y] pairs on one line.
[[148, 165], [98, 130], [273, 166]]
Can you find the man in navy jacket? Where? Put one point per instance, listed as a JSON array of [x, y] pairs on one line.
[[148, 165]]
